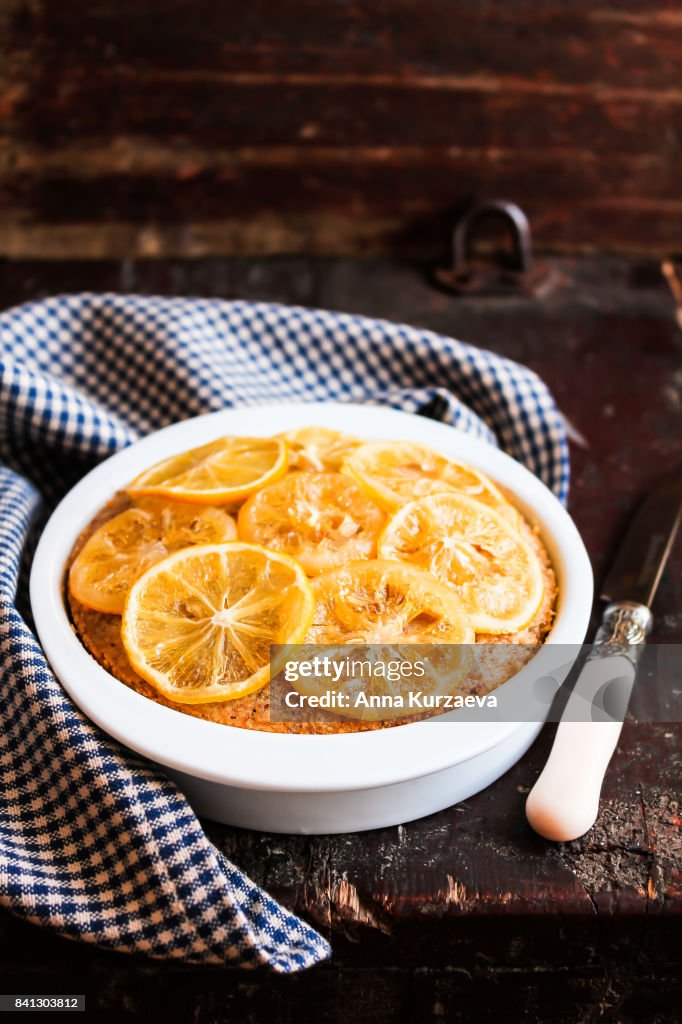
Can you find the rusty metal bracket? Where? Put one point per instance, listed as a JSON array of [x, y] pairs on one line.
[[512, 272]]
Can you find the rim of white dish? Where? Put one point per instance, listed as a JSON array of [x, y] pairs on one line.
[[289, 762]]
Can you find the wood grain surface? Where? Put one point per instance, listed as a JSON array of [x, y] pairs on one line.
[[192, 128], [465, 915]]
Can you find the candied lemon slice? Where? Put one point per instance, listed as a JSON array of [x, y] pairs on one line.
[[218, 473], [128, 544], [320, 519], [198, 625], [318, 448], [395, 472], [387, 608], [476, 551], [377, 602]]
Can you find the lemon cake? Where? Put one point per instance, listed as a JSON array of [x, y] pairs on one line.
[[181, 583]]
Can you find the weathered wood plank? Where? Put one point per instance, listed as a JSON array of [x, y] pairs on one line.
[[280, 110], [319, 235], [422, 173], [119, 990], [615, 43]]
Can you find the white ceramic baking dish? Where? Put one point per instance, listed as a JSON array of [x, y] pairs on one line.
[[299, 783]]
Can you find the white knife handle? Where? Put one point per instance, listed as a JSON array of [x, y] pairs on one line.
[[564, 802]]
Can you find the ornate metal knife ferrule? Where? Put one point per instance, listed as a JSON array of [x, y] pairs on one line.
[[623, 631]]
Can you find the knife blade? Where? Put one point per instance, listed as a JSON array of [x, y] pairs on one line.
[[564, 802], [638, 565]]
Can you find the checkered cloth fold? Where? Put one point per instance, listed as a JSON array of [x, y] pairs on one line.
[[94, 842]]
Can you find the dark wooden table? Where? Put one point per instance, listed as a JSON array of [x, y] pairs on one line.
[[465, 915]]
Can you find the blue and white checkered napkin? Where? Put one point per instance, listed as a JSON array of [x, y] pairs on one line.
[[94, 842]]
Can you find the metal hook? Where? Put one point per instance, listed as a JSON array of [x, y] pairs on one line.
[[520, 273], [509, 212]]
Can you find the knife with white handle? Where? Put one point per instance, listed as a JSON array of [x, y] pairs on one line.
[[564, 802]]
